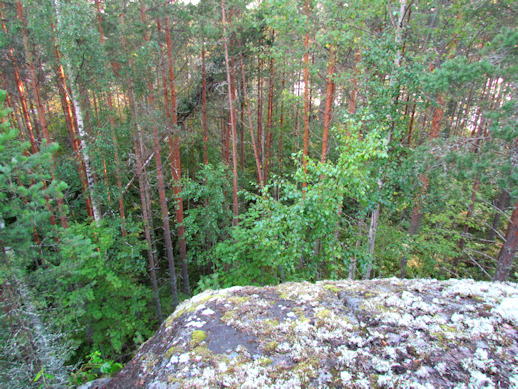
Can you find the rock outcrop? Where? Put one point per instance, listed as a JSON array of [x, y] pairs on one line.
[[336, 334]]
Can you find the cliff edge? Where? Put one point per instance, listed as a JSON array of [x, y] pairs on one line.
[[387, 333]]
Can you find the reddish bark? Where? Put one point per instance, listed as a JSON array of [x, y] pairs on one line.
[[242, 135], [281, 125], [410, 127], [176, 164], [437, 116], [161, 185], [306, 95], [330, 95], [235, 204], [260, 135]]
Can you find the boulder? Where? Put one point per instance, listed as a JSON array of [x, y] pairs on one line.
[[388, 333]]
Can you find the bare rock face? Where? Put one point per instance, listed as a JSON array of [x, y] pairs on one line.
[[336, 334]]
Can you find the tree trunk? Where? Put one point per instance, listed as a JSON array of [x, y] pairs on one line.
[[371, 242], [469, 213], [41, 111], [176, 164], [235, 204], [80, 129], [269, 123], [281, 128], [204, 105], [501, 206], [353, 265], [508, 250], [71, 123], [141, 173], [306, 95], [112, 127], [254, 144], [160, 181], [260, 135], [330, 94]]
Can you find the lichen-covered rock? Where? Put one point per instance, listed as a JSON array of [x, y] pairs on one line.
[[336, 334]]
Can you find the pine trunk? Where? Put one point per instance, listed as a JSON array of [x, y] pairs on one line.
[[306, 96], [235, 204], [160, 181], [176, 164], [330, 93]]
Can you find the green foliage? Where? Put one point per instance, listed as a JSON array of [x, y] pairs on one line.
[[45, 379], [276, 238], [97, 283], [30, 348], [208, 217], [95, 367]]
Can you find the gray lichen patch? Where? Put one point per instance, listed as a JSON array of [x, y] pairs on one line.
[[388, 333]]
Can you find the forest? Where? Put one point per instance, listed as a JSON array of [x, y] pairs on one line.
[[153, 149]]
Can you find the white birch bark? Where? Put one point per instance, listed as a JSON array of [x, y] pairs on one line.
[[96, 209]]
